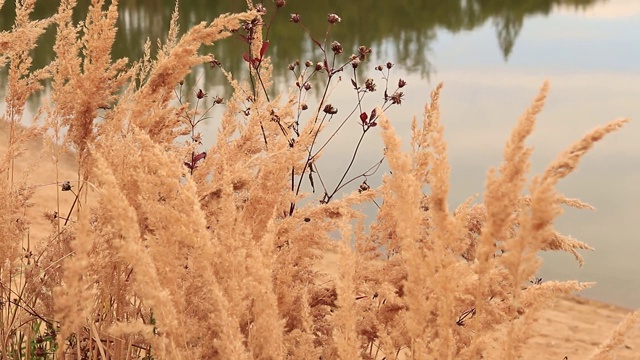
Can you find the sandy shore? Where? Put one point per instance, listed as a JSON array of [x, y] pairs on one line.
[[572, 326], [575, 326]]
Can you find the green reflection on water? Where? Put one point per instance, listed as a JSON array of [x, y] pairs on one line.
[[399, 30]]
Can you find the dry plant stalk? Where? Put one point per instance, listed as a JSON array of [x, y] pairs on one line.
[[214, 261]]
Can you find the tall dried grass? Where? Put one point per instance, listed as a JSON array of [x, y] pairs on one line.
[[217, 259]]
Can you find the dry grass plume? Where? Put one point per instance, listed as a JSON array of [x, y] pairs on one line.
[[171, 252]]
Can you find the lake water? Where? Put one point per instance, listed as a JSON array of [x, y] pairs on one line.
[[492, 57]]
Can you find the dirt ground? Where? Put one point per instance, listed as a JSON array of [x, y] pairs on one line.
[[573, 327]]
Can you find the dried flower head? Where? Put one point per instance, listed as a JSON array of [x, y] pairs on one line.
[[261, 9], [389, 64], [379, 67], [304, 106], [370, 85], [66, 186], [200, 94], [355, 62], [40, 351], [308, 63], [396, 98], [329, 109], [215, 63], [307, 86], [218, 100], [333, 18], [295, 18], [292, 66], [336, 47], [319, 66], [274, 116], [363, 51], [401, 83], [363, 187], [280, 3]]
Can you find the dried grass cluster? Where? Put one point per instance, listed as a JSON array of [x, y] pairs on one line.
[[166, 261]]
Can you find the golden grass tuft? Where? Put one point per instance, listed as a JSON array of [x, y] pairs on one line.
[[156, 260]]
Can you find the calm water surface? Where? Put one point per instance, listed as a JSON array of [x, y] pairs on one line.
[[492, 56]]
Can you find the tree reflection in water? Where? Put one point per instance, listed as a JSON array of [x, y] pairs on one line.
[[401, 30]]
